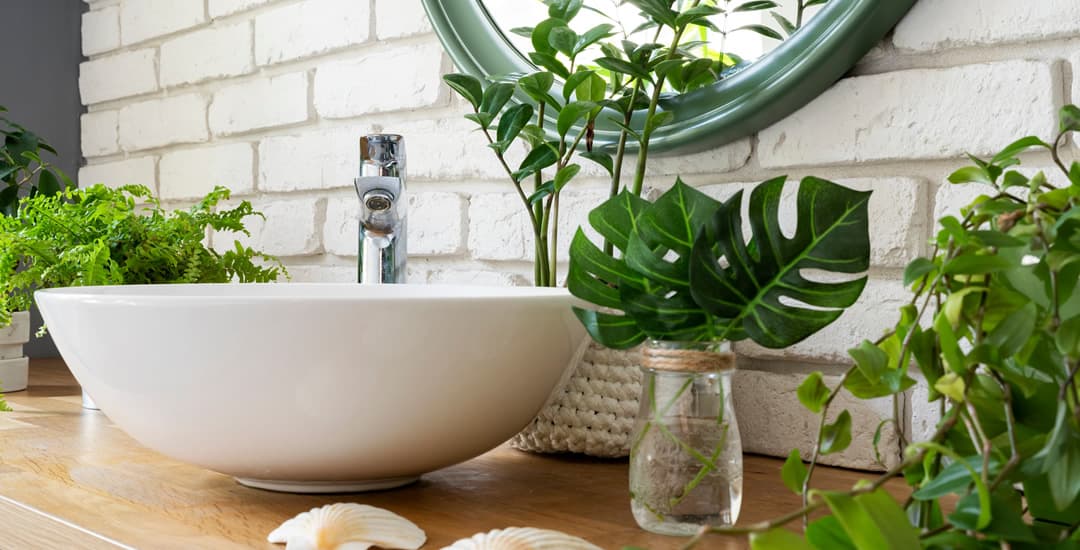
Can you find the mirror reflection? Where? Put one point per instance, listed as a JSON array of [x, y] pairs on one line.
[[735, 34]]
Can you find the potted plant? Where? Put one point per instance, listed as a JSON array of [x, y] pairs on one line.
[[687, 283], [102, 236], [23, 171], [994, 328], [585, 78]]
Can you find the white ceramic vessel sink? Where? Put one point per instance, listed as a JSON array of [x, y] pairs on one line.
[[313, 387]]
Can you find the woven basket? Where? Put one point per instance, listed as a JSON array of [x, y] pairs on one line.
[[594, 413]]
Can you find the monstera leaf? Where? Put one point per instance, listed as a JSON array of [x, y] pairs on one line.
[[596, 277], [660, 251], [760, 289], [685, 272]]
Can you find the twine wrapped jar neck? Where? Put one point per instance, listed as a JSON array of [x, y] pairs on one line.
[[694, 357]]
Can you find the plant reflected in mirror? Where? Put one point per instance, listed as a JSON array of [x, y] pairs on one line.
[[732, 34]]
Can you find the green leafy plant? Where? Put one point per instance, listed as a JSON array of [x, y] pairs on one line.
[[23, 170], [686, 273], [993, 326], [585, 76], [101, 236]]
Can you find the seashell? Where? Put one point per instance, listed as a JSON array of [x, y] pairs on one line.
[[523, 538], [348, 526]]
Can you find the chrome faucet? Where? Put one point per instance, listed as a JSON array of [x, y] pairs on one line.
[[383, 208]]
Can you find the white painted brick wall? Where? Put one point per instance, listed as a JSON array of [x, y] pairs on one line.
[[219, 8], [397, 18], [290, 228], [159, 122], [121, 75], [210, 53], [263, 103], [136, 171], [144, 19], [310, 27], [101, 30], [310, 160], [938, 24], [192, 173], [354, 88], [99, 133], [286, 90], [918, 114]]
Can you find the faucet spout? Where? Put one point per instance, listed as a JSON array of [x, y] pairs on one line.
[[383, 209]]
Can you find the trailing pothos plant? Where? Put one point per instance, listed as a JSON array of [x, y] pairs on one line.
[[585, 76], [102, 236], [24, 170], [993, 326]]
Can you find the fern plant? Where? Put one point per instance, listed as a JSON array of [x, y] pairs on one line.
[[101, 236]]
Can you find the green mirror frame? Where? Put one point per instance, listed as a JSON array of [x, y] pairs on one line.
[[778, 84]]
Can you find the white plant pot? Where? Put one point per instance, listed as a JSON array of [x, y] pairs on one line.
[[14, 368]]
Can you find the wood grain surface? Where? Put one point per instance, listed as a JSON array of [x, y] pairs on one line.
[[70, 479]]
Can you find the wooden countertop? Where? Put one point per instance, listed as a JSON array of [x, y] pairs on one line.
[[71, 479]]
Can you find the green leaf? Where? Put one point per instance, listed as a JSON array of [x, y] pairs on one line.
[[540, 36], [794, 472], [1070, 118], [917, 269], [537, 86], [522, 31], [659, 249], [625, 67], [813, 392], [697, 15], [545, 189], [48, 184], [484, 120], [467, 86], [549, 62], [970, 264], [951, 386], [564, 9], [754, 5], [495, 98], [574, 81], [837, 436], [658, 10], [602, 159], [971, 174], [571, 114], [828, 534], [563, 39], [591, 89], [1005, 512], [596, 277], [784, 23], [778, 539], [592, 36], [510, 125], [1013, 332], [1019, 146], [749, 294], [658, 120], [539, 158], [873, 521], [563, 177], [760, 29], [956, 478]]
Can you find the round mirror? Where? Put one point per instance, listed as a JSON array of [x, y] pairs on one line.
[[765, 58]]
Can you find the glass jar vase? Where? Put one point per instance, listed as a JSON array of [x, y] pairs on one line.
[[686, 466]]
